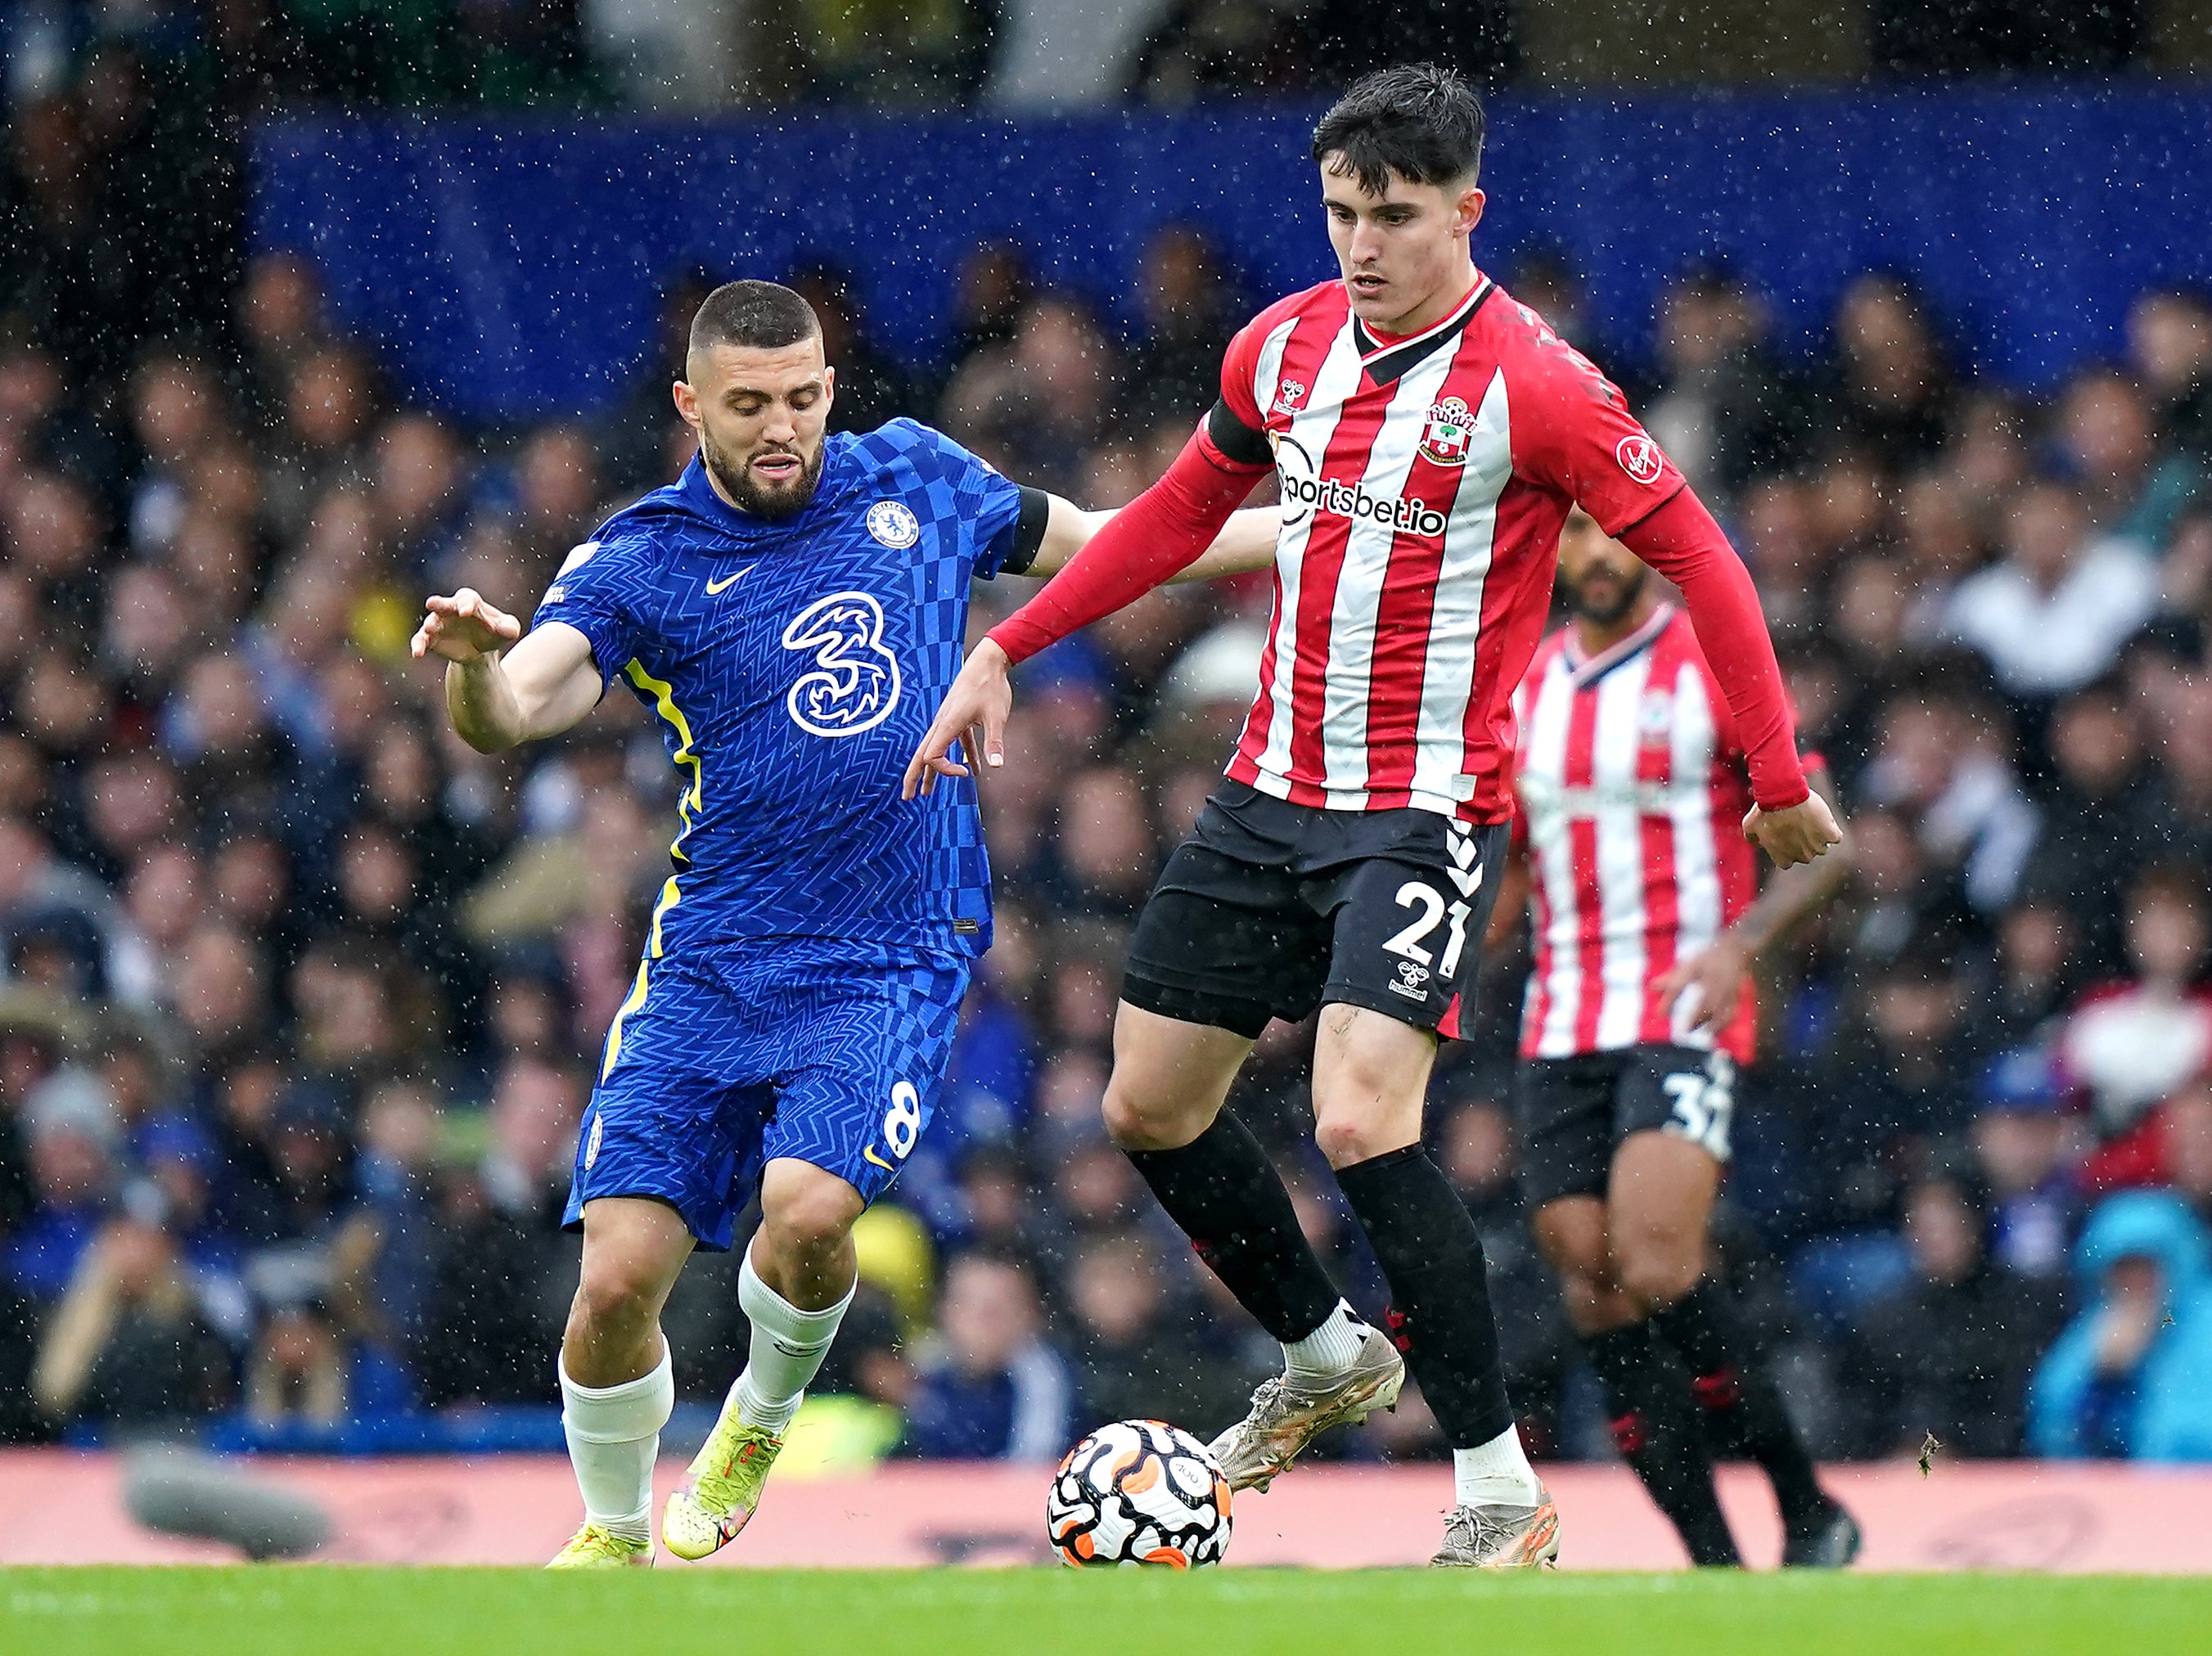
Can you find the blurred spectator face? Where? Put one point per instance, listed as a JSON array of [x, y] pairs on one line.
[[399, 1122], [173, 411], [1059, 352], [1083, 996], [53, 528], [163, 896], [1871, 596], [149, 623], [525, 1017], [1097, 1188], [2018, 1150], [1850, 502], [1116, 1291], [132, 1075], [220, 993], [250, 1094], [342, 536], [1911, 1013], [1987, 457], [997, 1195], [2033, 940], [2166, 933], [1477, 1149], [215, 563], [2042, 530], [62, 704], [281, 305], [327, 401], [69, 1167], [346, 1006], [1937, 532], [1943, 1232], [20, 624], [25, 857], [2170, 343], [535, 1109], [994, 285], [227, 485], [22, 777], [988, 1313], [2135, 1278], [252, 881], [1888, 351], [2098, 742], [2188, 1131], [376, 875], [1114, 476], [131, 802], [222, 707], [402, 772], [1105, 839], [419, 467], [559, 482], [2107, 427], [1179, 283], [30, 385]]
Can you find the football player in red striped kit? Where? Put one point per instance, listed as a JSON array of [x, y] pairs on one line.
[[1428, 435], [1647, 915]]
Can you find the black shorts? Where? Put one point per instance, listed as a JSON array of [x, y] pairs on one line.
[[1572, 1114], [1270, 909]]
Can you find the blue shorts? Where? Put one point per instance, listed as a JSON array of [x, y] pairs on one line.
[[824, 1051]]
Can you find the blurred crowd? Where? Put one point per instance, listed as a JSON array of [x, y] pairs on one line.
[[299, 999]]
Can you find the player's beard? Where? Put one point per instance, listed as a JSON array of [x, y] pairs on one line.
[[1608, 615], [771, 504]]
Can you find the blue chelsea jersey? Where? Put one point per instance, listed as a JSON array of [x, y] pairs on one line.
[[794, 666]]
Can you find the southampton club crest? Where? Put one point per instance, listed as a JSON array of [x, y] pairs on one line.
[[1444, 440]]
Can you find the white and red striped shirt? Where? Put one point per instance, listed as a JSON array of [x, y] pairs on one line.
[[1424, 482], [1633, 790]]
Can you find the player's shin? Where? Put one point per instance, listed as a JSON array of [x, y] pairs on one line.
[[614, 1435], [789, 1346], [1656, 1426], [1739, 1398], [1228, 1199], [1432, 1257]]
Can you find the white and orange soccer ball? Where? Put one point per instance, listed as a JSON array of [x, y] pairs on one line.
[[1138, 1492]]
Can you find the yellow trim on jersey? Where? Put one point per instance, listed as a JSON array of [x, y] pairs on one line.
[[692, 799], [614, 1034]]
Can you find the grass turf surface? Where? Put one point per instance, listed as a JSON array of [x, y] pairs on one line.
[[328, 1610]]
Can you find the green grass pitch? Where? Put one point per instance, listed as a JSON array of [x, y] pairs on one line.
[[338, 1611]]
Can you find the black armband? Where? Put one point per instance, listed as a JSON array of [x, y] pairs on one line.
[[1238, 443], [1029, 531]]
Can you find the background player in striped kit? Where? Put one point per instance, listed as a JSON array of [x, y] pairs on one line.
[[1429, 435], [1647, 917]]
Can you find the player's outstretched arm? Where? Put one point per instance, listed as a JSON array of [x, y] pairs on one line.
[[1718, 971], [502, 688], [1246, 542]]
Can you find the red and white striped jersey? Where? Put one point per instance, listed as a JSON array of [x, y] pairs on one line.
[[1424, 482], [1633, 791]]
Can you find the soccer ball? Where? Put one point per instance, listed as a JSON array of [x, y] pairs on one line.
[[1138, 1492]]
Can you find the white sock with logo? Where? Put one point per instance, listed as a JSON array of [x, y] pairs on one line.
[[1495, 1474], [614, 1437], [789, 1346], [1329, 1351]]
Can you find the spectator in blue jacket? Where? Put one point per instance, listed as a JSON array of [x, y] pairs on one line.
[[2131, 1377]]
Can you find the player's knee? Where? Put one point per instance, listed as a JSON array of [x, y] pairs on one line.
[[1655, 1276], [802, 1220], [1134, 1123], [614, 1296], [1348, 1136]]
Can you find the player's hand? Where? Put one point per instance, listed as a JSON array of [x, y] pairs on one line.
[[463, 629], [1717, 974], [979, 700], [1796, 835]]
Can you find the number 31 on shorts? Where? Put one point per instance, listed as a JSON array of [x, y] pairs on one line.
[[1704, 1102]]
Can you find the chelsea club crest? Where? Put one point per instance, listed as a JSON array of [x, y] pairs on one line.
[[893, 524]]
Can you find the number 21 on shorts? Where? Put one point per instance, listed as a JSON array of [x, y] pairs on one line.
[[1704, 1102]]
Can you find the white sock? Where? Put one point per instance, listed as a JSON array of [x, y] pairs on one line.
[[1495, 1474], [788, 1348], [614, 1436], [1329, 1350]]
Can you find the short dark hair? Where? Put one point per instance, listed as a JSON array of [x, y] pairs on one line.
[[763, 315], [1421, 122]]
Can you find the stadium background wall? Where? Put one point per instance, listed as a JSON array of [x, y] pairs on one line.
[[509, 268]]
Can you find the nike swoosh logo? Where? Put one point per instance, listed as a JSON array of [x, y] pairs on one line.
[[716, 587], [871, 1153]]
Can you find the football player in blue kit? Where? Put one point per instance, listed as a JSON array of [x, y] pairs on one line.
[[792, 609]]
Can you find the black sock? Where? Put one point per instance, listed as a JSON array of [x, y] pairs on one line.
[[1741, 1400], [1648, 1396], [1225, 1193], [1432, 1257]]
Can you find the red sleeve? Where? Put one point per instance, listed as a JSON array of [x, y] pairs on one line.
[[1154, 538], [1573, 431], [1240, 372], [1682, 541]]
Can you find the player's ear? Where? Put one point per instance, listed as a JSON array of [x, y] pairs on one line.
[[687, 404], [828, 387], [1467, 210]]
